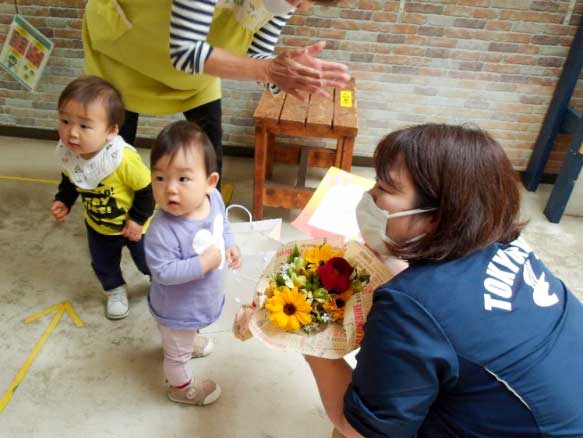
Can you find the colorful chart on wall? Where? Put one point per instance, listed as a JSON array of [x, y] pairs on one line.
[[331, 209], [25, 52]]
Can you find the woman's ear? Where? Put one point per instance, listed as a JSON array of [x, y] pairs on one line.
[[212, 181], [431, 222]]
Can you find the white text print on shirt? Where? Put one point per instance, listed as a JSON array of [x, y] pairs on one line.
[[540, 286], [501, 275]]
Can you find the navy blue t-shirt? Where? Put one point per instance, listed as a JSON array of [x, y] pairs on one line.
[[490, 345]]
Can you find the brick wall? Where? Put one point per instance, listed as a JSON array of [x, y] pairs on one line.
[[489, 62]]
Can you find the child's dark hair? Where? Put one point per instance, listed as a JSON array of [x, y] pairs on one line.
[[182, 135], [466, 176], [88, 89]]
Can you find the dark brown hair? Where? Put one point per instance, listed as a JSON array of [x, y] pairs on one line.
[[89, 89], [183, 135], [463, 173]]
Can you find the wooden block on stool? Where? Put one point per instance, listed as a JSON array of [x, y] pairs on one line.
[[293, 115], [269, 109], [321, 113]]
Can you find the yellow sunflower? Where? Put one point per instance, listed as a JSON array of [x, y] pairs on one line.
[[321, 253], [289, 309], [337, 304]]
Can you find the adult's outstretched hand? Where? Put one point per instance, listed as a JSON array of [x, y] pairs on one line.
[[299, 71]]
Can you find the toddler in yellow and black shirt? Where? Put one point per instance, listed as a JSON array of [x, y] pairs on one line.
[[113, 181]]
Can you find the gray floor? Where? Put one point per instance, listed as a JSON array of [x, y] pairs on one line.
[[105, 378]]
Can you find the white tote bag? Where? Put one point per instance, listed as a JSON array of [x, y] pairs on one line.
[[258, 242]]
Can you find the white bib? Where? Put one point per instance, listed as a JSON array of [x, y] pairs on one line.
[[87, 174]]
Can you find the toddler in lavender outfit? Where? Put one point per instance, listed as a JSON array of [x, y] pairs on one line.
[[188, 246]]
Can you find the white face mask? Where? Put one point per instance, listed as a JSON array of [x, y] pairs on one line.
[[278, 7], [372, 222]]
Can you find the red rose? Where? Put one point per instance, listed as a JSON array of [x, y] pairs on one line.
[[335, 275]]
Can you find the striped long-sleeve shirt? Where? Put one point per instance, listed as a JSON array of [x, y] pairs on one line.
[[189, 26]]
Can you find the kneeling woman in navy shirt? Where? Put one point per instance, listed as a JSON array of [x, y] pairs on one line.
[[477, 338]]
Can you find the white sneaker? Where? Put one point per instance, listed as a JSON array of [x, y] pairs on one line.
[[117, 303]]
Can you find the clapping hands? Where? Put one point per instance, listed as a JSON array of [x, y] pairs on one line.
[[299, 71]]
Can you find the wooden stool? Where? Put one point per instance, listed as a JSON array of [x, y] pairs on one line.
[[317, 117]]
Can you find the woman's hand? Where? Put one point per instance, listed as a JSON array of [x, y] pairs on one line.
[[296, 72], [299, 71]]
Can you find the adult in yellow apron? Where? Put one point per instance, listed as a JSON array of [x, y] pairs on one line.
[[127, 43]]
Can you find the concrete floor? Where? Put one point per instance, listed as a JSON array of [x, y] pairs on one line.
[[105, 378]]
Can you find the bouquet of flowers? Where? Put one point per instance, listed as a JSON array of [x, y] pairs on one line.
[[314, 297], [311, 289]]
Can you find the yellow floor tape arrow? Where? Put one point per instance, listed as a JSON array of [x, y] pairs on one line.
[[26, 179], [59, 309], [226, 189]]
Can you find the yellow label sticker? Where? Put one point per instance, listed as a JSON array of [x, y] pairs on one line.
[[346, 98]]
